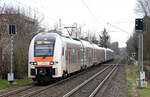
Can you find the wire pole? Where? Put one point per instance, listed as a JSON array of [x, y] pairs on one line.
[[12, 32], [11, 57], [140, 27], [59, 23], [140, 57]]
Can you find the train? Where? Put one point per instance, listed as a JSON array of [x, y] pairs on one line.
[[52, 56]]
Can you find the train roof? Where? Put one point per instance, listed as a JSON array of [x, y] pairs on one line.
[[71, 41], [86, 44], [46, 36], [68, 40]]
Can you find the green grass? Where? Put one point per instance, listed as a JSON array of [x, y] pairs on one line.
[[129, 82], [145, 92], [131, 70], [19, 82]]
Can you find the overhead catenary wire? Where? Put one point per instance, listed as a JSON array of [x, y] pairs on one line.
[[118, 28], [123, 22], [91, 13], [93, 10], [58, 15]]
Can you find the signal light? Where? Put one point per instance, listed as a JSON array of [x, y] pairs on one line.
[[11, 29], [139, 24]]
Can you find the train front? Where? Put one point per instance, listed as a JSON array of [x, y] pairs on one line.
[[41, 53]]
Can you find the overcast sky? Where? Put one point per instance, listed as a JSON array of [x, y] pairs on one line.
[[93, 14]]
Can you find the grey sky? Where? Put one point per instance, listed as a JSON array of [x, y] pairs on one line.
[[94, 13]]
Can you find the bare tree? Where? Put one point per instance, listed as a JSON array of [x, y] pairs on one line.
[[104, 39], [94, 40], [132, 44], [26, 26], [143, 6]]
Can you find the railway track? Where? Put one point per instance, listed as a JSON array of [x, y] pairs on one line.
[[55, 85], [12, 92], [91, 86], [32, 90]]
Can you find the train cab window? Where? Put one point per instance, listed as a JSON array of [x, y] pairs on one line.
[[44, 50]]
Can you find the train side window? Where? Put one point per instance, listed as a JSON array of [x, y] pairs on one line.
[[63, 51]]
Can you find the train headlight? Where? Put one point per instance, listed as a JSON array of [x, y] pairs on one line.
[[33, 63], [51, 63]]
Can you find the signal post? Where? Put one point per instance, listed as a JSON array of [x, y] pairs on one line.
[[11, 31], [140, 28]]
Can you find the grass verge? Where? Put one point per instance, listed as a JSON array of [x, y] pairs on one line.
[[145, 92], [19, 82], [129, 82], [132, 71]]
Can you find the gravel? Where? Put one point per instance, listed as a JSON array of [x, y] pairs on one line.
[[65, 87], [87, 89], [116, 86]]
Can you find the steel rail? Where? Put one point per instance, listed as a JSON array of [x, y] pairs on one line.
[[52, 85], [37, 91], [85, 82], [101, 84], [16, 91]]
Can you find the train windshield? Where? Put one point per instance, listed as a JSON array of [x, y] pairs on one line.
[[43, 50]]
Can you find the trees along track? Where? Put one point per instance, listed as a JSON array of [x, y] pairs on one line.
[[83, 89]]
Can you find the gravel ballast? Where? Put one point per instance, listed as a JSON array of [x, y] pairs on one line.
[[116, 87]]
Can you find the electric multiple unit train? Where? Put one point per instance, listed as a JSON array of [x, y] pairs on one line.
[[53, 56]]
